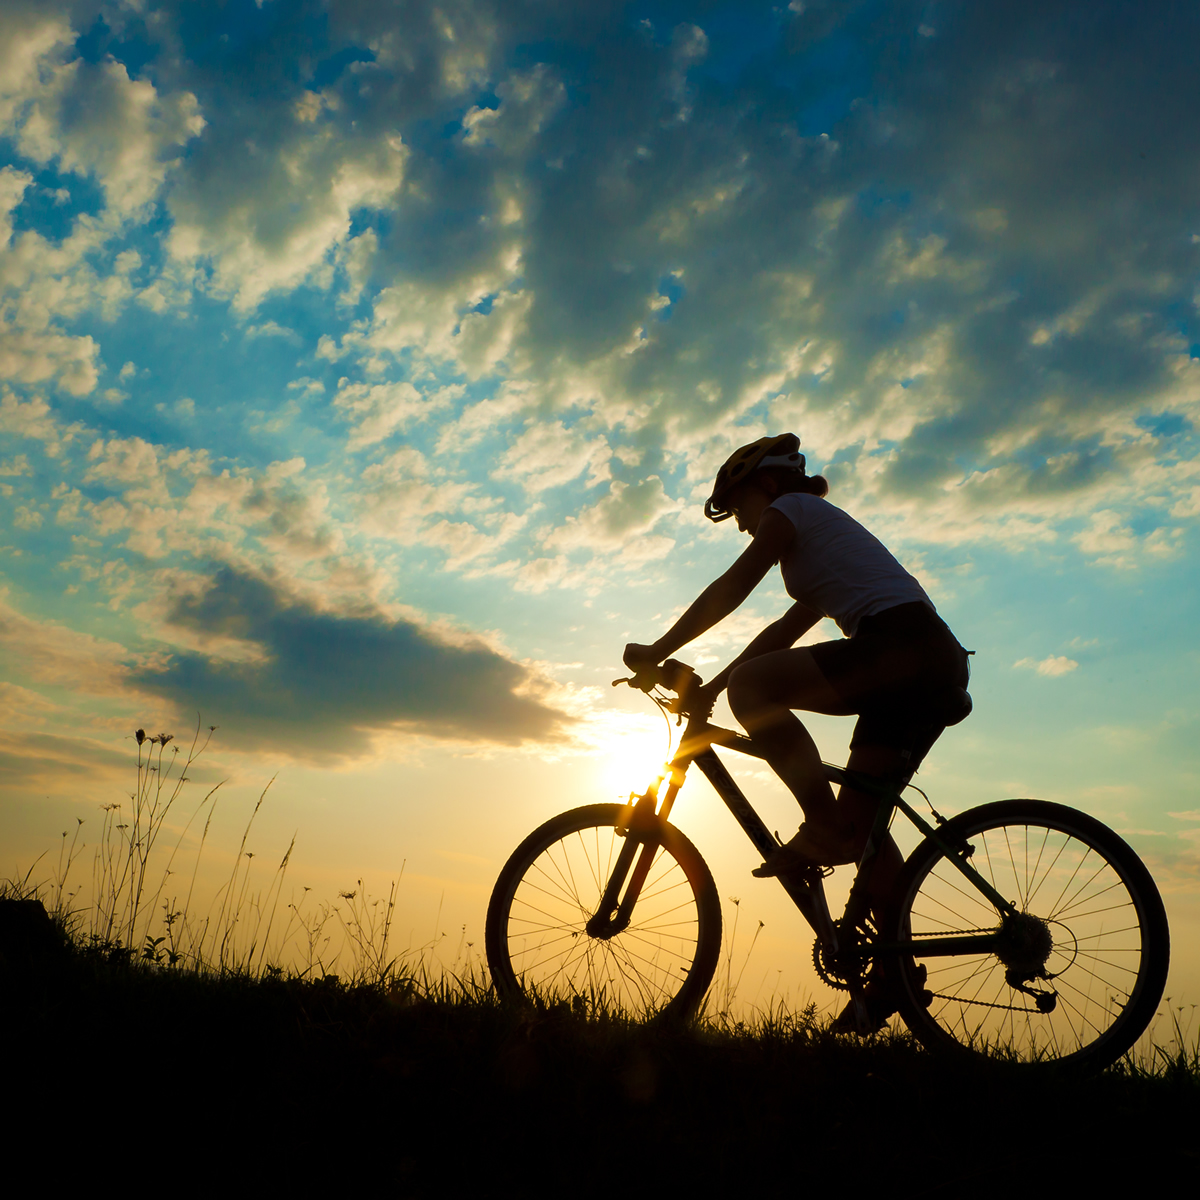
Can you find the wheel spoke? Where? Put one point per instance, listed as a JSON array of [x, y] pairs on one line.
[[555, 892], [1105, 964]]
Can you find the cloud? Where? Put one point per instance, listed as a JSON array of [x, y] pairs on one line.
[[547, 454], [935, 292], [398, 494], [1110, 541], [20, 705], [377, 411], [88, 118], [35, 419], [51, 653], [1052, 667], [29, 35], [957, 278], [71, 766], [626, 512], [37, 355], [528, 99], [43, 283], [265, 199], [19, 465], [328, 684]]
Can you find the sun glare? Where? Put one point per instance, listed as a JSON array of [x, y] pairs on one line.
[[631, 750]]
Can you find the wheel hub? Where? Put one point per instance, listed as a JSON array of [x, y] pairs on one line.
[[1024, 946]]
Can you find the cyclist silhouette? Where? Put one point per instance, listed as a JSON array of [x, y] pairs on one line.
[[1049, 943], [899, 667]]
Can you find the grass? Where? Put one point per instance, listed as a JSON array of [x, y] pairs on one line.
[[137, 892], [192, 1042], [427, 1084]]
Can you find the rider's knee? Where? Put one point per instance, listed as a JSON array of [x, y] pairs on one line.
[[744, 694]]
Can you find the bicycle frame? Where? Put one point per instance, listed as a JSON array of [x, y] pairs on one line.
[[805, 887]]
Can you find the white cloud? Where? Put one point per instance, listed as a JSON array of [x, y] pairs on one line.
[[548, 454], [439, 322], [33, 356], [400, 493], [92, 119], [267, 216], [376, 411], [19, 465], [123, 462], [29, 36], [307, 386], [272, 329], [1051, 667], [1111, 542], [34, 419], [627, 511]]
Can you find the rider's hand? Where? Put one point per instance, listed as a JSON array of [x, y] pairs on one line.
[[638, 657]]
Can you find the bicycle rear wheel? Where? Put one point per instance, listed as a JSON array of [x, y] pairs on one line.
[[538, 946], [1091, 944]]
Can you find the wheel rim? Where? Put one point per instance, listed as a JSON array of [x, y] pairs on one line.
[[640, 970], [1097, 944]]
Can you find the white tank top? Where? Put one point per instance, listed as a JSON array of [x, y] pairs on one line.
[[837, 568]]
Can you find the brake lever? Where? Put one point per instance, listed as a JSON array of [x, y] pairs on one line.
[[648, 686]]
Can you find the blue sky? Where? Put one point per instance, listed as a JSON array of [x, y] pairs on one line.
[[363, 369]]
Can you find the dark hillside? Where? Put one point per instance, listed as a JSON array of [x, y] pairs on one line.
[[215, 1082]]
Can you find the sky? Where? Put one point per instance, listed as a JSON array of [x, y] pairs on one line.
[[364, 368]]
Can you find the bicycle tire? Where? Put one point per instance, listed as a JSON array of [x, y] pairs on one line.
[[538, 947], [1108, 935]]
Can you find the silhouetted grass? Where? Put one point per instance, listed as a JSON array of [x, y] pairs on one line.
[[141, 897], [429, 1083]]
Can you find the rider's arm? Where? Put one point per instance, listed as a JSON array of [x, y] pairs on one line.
[[779, 635], [773, 536]]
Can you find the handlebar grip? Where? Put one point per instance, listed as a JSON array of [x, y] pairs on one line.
[[674, 675]]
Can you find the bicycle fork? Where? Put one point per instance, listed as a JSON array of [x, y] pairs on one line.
[[639, 824]]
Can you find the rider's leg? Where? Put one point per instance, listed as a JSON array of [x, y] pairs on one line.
[[762, 693], [859, 808]]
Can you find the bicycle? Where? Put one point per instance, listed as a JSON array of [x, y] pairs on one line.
[[1018, 930]]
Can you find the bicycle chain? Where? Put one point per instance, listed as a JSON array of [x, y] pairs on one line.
[[983, 1003]]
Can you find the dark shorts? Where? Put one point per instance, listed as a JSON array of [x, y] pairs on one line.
[[890, 673]]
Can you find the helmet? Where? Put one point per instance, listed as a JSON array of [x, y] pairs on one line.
[[780, 451]]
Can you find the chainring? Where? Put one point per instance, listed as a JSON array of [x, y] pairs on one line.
[[828, 969]]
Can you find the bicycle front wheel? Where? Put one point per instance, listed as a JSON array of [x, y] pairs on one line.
[[538, 944], [1075, 977]]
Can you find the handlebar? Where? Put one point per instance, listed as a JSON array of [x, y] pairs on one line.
[[673, 675]]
